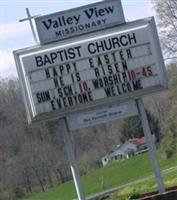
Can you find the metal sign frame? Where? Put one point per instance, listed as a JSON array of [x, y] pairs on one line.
[[25, 84]]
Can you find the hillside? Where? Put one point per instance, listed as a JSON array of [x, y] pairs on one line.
[[115, 174]]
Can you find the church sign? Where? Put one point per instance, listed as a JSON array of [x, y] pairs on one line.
[[77, 21], [122, 64], [102, 114]]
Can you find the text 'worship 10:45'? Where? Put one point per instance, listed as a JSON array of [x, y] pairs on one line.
[[123, 63]]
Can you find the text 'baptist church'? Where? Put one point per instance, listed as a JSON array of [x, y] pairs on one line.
[[92, 48]]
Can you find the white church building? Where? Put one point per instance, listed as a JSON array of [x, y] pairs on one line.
[[123, 151]]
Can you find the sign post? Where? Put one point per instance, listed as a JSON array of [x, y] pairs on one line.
[[151, 145], [71, 158]]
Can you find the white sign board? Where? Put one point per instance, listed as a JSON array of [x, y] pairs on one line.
[[77, 21], [102, 114], [124, 63]]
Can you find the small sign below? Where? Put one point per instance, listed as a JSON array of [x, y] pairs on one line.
[[102, 114], [93, 17]]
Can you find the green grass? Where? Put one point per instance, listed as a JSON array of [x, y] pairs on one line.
[[114, 175], [170, 179]]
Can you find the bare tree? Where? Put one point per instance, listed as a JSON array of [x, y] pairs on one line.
[[167, 22], [33, 158]]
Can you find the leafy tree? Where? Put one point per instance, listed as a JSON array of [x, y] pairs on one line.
[[131, 127], [169, 142]]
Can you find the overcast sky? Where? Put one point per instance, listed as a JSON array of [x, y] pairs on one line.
[[15, 35]]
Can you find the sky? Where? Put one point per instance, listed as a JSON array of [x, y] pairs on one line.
[[15, 35]]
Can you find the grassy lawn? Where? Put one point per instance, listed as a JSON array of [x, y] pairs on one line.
[[170, 179], [114, 175]]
